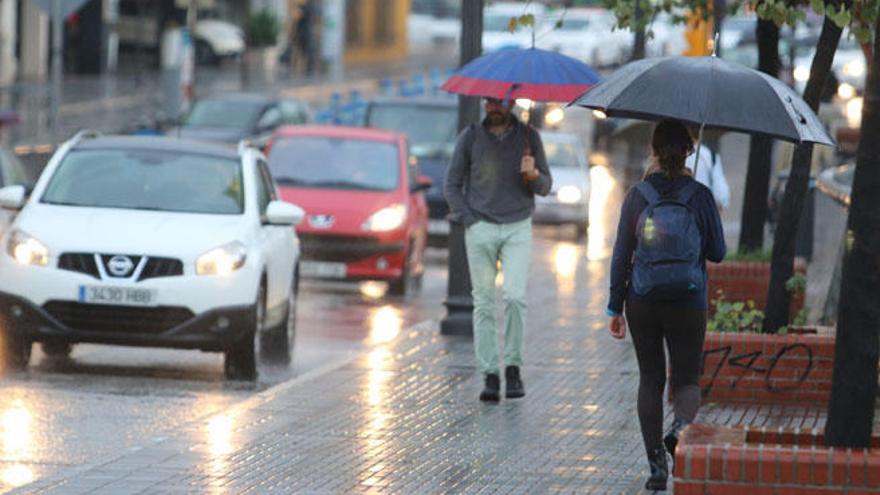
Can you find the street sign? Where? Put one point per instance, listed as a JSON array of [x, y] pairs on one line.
[[67, 6]]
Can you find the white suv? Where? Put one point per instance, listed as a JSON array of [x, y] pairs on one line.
[[149, 241]]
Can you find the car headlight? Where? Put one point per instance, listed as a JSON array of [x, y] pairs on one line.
[[27, 250], [222, 260], [855, 68], [569, 194], [554, 117], [846, 91], [386, 219], [801, 73]]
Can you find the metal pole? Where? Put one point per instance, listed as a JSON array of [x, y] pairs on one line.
[[459, 303], [57, 45], [245, 55]]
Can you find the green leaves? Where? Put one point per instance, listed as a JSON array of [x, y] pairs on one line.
[[525, 20], [818, 6]]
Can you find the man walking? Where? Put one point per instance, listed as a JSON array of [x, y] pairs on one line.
[[496, 170]]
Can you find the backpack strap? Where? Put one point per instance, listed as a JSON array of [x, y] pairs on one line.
[[686, 192], [648, 192]]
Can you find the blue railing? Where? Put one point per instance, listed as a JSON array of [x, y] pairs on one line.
[[351, 110]]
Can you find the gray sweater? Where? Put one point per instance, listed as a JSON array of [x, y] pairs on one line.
[[483, 181]]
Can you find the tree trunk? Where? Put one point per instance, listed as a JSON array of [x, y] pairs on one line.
[[639, 39], [754, 212], [854, 385], [782, 266]]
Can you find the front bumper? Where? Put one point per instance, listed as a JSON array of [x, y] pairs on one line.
[[364, 258], [160, 326], [555, 213]]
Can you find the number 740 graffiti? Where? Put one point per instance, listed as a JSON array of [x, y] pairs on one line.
[[751, 363]]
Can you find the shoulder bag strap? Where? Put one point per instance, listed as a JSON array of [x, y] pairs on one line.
[[648, 192]]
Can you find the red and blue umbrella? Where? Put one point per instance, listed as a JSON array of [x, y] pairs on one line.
[[531, 73]]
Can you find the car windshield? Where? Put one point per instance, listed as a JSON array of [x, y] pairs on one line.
[[561, 154], [335, 163], [496, 22], [147, 180], [430, 129], [222, 113], [574, 24]]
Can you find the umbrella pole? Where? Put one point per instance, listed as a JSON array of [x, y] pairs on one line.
[[698, 145]]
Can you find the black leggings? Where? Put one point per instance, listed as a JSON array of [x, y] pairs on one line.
[[684, 330]]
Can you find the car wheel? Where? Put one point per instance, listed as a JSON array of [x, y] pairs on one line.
[[16, 352], [205, 54], [400, 286], [240, 360], [57, 350], [277, 343]]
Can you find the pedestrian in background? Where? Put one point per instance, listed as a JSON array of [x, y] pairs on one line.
[[710, 173], [669, 225], [497, 168]]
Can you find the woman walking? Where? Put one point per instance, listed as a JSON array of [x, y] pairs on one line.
[[669, 226]]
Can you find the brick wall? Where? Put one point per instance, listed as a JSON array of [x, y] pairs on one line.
[[727, 461], [747, 280], [767, 368]]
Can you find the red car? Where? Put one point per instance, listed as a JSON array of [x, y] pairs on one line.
[[366, 215]]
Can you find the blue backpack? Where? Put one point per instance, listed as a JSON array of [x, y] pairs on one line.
[[668, 257]]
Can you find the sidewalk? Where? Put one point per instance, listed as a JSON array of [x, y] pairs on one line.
[[403, 417]]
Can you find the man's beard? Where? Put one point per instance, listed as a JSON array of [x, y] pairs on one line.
[[497, 118]]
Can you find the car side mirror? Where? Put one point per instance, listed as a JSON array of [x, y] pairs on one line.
[[13, 197], [423, 183], [284, 213]]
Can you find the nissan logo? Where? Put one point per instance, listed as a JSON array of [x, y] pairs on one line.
[[120, 266]]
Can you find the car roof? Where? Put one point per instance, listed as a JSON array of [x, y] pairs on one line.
[[244, 97], [425, 101], [559, 137], [338, 131], [158, 143]]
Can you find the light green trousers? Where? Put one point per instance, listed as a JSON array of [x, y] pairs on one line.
[[486, 244]]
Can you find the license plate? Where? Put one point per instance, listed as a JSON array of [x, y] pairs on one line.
[[438, 227], [322, 269], [124, 296]]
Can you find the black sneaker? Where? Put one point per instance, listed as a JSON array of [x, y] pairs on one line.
[[492, 390], [659, 471], [670, 440], [515, 388]]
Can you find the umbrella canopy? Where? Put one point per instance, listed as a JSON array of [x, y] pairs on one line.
[[532, 73], [710, 91]]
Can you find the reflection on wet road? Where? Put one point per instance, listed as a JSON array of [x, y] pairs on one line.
[[105, 399]]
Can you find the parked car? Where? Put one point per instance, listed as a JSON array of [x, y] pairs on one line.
[[150, 241], [430, 125], [366, 215], [230, 118], [496, 19], [137, 27], [587, 34], [569, 201]]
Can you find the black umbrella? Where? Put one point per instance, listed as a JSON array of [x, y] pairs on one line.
[[706, 91]]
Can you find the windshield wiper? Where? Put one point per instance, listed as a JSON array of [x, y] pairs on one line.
[[343, 184], [291, 180]]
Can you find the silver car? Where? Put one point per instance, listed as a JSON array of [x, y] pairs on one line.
[[569, 201]]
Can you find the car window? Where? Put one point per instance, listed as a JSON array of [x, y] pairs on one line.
[[431, 129], [294, 112], [13, 170], [147, 180], [335, 163], [265, 187], [270, 119], [222, 113], [561, 154]]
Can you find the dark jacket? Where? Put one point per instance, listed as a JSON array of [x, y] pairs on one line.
[[708, 221], [483, 181]]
